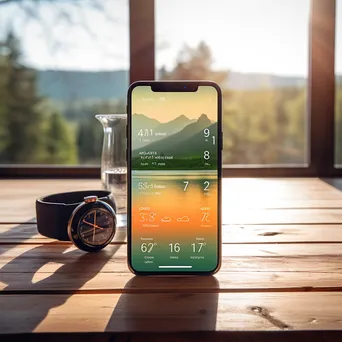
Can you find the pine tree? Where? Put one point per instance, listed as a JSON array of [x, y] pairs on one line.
[[89, 141], [4, 136], [60, 144], [30, 130], [194, 64], [24, 141]]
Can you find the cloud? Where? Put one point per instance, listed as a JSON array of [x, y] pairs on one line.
[[183, 219], [166, 219]]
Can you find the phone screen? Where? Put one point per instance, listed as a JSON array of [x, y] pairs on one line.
[[174, 170]]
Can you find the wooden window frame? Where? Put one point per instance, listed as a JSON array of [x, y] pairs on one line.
[[320, 101]]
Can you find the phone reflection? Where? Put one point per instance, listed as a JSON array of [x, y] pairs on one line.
[[167, 304]]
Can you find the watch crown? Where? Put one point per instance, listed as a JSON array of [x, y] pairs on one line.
[[90, 199]]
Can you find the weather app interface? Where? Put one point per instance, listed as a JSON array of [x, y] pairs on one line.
[[174, 180]]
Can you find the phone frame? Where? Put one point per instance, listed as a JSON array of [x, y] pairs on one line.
[[174, 86]]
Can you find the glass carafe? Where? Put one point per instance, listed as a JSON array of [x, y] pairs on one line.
[[113, 160]]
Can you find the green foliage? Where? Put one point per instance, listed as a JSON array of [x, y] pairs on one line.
[[22, 142], [264, 126], [60, 144], [194, 64], [28, 134], [338, 124], [90, 132]]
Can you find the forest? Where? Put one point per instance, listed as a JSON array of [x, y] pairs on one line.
[[261, 126]]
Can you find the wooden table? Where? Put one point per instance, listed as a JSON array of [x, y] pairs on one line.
[[281, 272]]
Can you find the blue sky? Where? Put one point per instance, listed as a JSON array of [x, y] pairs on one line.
[[268, 36]]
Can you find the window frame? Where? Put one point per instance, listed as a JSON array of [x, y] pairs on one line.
[[320, 101]]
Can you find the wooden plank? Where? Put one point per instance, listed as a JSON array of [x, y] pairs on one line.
[[279, 188], [269, 203], [290, 216], [249, 267], [20, 195], [281, 233], [243, 216], [58, 252], [27, 233], [169, 312], [255, 216], [60, 282]]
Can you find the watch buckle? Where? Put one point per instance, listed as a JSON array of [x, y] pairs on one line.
[[90, 199]]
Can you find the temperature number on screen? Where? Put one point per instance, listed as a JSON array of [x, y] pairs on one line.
[[206, 155], [174, 247], [205, 216], [147, 217], [207, 134], [197, 247], [147, 247], [206, 185], [145, 133]]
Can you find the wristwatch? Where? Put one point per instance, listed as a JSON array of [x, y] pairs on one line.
[[87, 218]]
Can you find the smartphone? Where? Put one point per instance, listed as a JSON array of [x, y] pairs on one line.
[[174, 145]]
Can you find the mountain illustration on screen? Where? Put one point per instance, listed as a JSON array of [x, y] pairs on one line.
[[183, 142], [143, 122]]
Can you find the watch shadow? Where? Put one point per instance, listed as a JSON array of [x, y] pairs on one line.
[[19, 233], [164, 304], [74, 269]]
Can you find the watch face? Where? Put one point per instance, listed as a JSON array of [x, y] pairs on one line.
[[95, 227], [92, 226]]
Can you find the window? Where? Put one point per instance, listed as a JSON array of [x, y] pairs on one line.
[[338, 86], [272, 58], [258, 52], [61, 62]]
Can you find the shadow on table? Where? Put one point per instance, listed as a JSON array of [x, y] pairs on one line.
[[170, 308], [15, 232], [77, 269], [334, 182]]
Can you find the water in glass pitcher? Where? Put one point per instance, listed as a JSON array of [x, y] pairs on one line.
[[116, 181]]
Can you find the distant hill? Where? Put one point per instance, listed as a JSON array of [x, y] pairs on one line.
[[63, 85], [167, 145], [250, 81], [142, 122], [175, 125], [195, 144], [167, 128]]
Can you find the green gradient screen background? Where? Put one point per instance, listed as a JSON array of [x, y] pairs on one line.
[[174, 180]]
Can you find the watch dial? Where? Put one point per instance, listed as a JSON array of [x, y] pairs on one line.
[[96, 227]]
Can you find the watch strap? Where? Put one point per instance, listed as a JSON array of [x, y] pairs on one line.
[[53, 212]]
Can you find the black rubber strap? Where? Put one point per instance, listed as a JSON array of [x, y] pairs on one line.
[[53, 211]]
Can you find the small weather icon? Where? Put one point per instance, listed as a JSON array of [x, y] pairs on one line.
[[166, 219], [183, 219]]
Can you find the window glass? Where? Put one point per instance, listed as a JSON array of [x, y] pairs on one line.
[[338, 85], [258, 52], [61, 62]]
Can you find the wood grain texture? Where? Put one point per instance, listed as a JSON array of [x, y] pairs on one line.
[[170, 312], [20, 195], [27, 233], [44, 268], [235, 281], [281, 270], [244, 194], [240, 216]]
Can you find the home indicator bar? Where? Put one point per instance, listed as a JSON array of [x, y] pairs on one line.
[[175, 266]]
